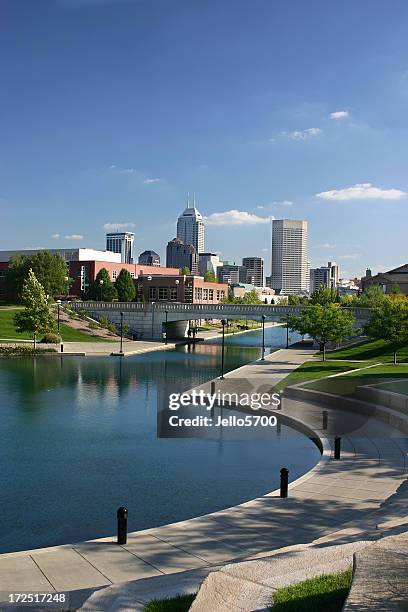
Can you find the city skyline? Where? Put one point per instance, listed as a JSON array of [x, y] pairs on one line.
[[106, 127]]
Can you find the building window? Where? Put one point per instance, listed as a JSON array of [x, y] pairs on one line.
[[222, 294], [173, 294], [211, 294], [205, 295], [114, 274], [163, 293], [152, 293], [132, 274]]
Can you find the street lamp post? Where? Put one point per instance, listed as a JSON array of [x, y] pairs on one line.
[[121, 333], [223, 323], [100, 286], [287, 334], [263, 337], [67, 284], [165, 329], [58, 306]]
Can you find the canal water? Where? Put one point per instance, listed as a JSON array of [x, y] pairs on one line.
[[78, 439]]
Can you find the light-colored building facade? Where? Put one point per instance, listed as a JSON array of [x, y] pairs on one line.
[[326, 276], [289, 263], [190, 227], [254, 270], [208, 262], [121, 242]]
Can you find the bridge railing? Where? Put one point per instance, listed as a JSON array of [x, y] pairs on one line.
[[207, 309]]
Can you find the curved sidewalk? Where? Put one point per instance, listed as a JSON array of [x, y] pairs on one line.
[[350, 492]]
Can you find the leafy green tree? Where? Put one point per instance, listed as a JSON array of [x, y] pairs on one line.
[[324, 324], [251, 298], [36, 317], [324, 296], [51, 271], [185, 271], [293, 300], [125, 286], [102, 287], [372, 297], [389, 322], [210, 277]]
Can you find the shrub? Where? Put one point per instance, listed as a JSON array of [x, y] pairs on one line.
[[24, 350], [93, 325], [51, 339], [111, 327]]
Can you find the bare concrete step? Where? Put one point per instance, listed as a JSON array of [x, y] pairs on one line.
[[379, 582]]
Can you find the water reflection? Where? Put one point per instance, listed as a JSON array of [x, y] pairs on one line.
[[81, 433]]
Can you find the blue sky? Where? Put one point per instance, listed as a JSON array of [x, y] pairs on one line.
[[112, 110]]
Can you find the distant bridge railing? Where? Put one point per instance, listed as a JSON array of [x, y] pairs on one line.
[[203, 310]]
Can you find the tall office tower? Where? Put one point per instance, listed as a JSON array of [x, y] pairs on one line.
[[254, 270], [121, 242], [208, 262], [190, 227], [326, 276], [149, 258], [231, 274], [180, 255], [289, 257]]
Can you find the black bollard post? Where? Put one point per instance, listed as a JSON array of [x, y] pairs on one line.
[[337, 446], [122, 515], [284, 479], [324, 426], [62, 348]]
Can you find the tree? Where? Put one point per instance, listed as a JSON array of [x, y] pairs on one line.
[[125, 286], [251, 297], [102, 287], [324, 324], [185, 271], [36, 317], [210, 277], [324, 295], [389, 322], [372, 297], [51, 271]]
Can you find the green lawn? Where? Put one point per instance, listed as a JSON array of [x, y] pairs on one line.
[[68, 334], [325, 593], [374, 350], [181, 603]]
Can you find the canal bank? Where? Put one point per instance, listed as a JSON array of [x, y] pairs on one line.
[[358, 491]]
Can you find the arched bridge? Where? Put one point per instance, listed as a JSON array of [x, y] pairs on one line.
[[148, 320]]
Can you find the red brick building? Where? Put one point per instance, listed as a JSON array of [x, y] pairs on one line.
[[177, 288]]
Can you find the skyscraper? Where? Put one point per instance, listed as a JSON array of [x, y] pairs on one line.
[[326, 276], [289, 256], [190, 227], [254, 267], [180, 255], [121, 242]]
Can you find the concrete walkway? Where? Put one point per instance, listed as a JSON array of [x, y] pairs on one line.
[[350, 493], [130, 347]]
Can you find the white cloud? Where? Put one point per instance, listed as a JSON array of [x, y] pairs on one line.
[[74, 237], [55, 236], [276, 203], [362, 191], [114, 226], [122, 170], [351, 256], [303, 134], [327, 245], [264, 250], [339, 115], [235, 217], [151, 181]]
